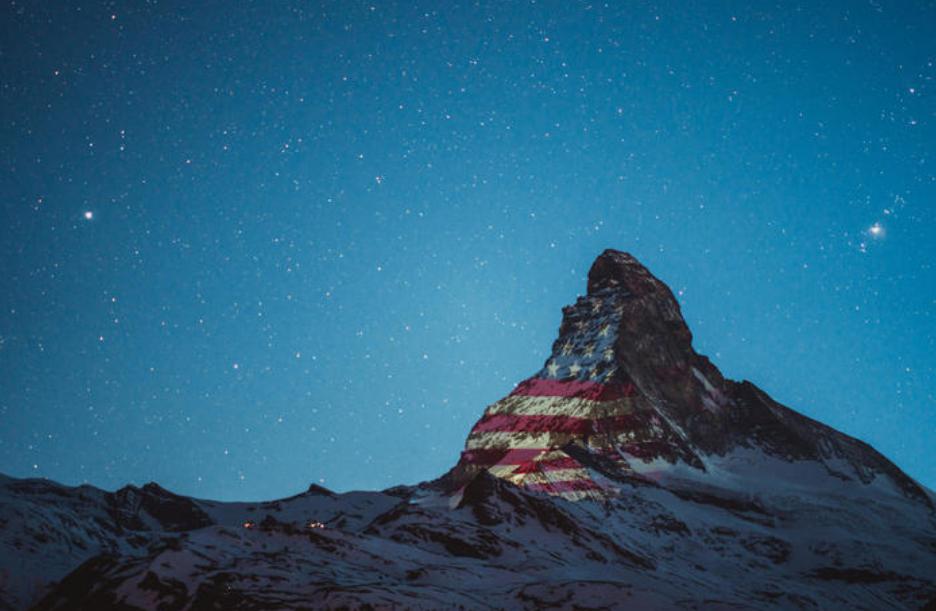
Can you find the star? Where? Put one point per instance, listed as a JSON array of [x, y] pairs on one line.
[[608, 354], [876, 230], [604, 331], [574, 368], [88, 215], [567, 348], [596, 305], [589, 350], [552, 368]]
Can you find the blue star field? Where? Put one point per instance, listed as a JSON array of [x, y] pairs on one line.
[[246, 246]]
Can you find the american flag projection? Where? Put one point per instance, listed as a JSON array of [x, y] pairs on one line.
[[600, 411], [579, 404]]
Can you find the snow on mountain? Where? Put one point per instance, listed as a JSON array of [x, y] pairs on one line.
[[49, 529], [626, 473]]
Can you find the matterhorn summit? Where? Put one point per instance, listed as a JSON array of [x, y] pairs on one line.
[[626, 473], [624, 397]]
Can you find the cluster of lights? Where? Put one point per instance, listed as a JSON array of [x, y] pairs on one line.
[[314, 524]]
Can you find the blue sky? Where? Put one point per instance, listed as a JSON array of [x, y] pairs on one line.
[[250, 246]]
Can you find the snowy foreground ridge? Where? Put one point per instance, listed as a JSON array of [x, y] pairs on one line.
[[626, 474]]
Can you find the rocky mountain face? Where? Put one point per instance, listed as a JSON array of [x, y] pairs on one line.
[[624, 394], [626, 473]]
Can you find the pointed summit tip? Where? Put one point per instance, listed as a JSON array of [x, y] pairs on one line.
[[617, 269]]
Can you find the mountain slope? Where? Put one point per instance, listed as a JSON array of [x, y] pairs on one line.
[[623, 384], [626, 473]]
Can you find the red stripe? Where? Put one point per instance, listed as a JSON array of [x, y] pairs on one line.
[[508, 423], [574, 485], [519, 456], [566, 462], [541, 387], [483, 456], [503, 456]]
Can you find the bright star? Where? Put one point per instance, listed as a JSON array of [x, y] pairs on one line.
[[876, 230], [88, 215]]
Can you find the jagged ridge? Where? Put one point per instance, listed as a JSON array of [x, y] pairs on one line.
[[627, 472], [623, 387]]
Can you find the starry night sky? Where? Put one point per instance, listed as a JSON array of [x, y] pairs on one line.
[[249, 246]]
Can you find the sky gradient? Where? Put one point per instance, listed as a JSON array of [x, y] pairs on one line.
[[250, 246]]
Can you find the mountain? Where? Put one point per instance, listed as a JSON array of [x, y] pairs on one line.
[[624, 394], [626, 473]]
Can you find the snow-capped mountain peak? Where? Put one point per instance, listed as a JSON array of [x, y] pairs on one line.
[[627, 472]]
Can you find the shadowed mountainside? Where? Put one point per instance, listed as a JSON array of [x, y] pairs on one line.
[[626, 473]]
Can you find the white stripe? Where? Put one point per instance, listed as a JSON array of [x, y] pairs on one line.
[[549, 477], [516, 441], [578, 495], [521, 405], [502, 471]]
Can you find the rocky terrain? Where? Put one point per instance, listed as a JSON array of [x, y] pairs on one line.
[[626, 473]]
